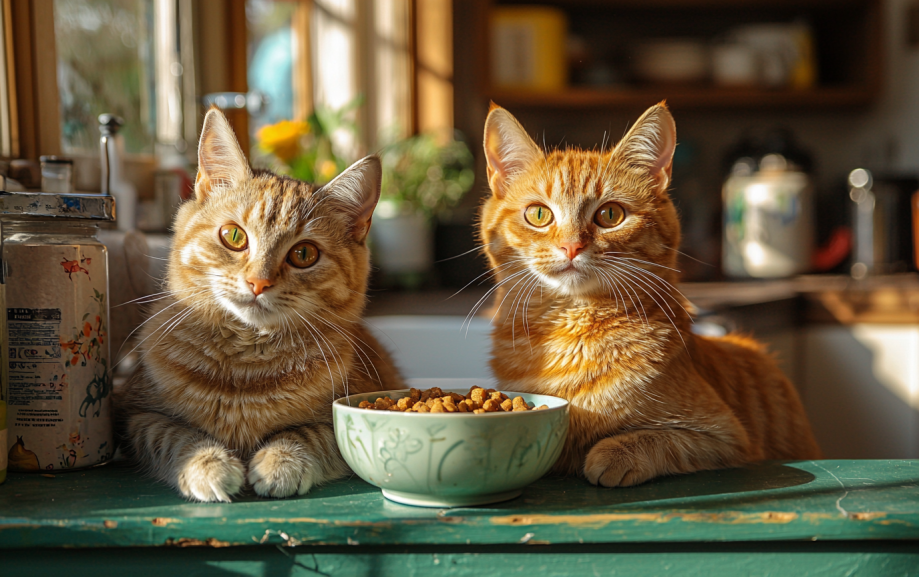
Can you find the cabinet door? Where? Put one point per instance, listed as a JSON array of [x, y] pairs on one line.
[[861, 390]]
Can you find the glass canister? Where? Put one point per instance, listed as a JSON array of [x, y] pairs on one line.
[[58, 377], [56, 174]]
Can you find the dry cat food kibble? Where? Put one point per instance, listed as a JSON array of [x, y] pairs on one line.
[[434, 400]]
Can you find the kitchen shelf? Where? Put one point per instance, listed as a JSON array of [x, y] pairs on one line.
[[687, 97]]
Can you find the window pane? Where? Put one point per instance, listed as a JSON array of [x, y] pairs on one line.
[[271, 58], [105, 64], [393, 69]]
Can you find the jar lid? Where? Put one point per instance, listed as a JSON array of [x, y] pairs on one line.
[[55, 160], [57, 205]]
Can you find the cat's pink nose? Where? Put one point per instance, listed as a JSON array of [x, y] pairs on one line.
[[572, 249], [258, 285]]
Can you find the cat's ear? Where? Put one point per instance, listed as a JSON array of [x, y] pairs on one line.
[[221, 163], [509, 150], [651, 142], [359, 189]]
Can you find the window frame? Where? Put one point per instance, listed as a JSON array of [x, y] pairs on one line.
[[30, 100]]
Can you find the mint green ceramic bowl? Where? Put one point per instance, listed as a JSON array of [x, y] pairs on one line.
[[450, 460]]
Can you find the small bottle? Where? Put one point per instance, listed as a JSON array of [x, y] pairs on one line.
[[114, 182], [56, 174]]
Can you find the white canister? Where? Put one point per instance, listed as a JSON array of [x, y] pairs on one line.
[[59, 380], [768, 225]]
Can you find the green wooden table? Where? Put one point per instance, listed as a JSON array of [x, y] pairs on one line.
[[802, 518]]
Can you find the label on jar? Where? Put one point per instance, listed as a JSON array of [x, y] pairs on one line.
[[58, 380]]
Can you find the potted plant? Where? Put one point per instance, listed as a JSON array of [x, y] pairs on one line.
[[423, 176]]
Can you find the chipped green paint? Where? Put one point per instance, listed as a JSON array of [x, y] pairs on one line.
[[113, 506]]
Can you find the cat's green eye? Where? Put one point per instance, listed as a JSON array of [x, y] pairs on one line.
[[610, 215], [303, 255], [538, 215], [234, 237]]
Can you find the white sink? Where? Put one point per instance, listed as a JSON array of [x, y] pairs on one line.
[[442, 347], [436, 346]]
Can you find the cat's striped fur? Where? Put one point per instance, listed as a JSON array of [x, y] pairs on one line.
[[237, 386], [607, 329]]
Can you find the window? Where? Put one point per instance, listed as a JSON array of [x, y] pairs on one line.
[[105, 63], [63, 62]]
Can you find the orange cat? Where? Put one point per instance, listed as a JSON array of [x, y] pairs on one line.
[[258, 331], [583, 244]]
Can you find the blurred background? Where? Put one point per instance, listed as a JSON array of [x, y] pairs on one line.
[[795, 175]]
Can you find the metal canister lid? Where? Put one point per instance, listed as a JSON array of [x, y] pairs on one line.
[[57, 205], [51, 159]]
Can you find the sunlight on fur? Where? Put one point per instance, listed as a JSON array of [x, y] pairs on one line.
[[586, 308], [258, 329]]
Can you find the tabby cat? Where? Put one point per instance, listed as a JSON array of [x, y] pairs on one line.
[[583, 244], [258, 331]]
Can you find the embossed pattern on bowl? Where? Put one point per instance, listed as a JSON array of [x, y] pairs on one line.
[[450, 458]]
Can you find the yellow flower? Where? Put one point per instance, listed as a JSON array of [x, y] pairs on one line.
[[283, 139]]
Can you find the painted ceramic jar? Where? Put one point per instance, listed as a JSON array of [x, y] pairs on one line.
[[58, 381]]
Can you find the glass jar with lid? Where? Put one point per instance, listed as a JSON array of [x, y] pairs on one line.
[[57, 377], [56, 174]]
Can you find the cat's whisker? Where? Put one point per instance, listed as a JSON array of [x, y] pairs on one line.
[[637, 278], [336, 355], [467, 322], [625, 289], [161, 311], [172, 326], [350, 338], [493, 270], [606, 281], [690, 257], [666, 286], [525, 277], [309, 328], [478, 248], [661, 306], [516, 304], [144, 298], [152, 333], [604, 278], [484, 297], [643, 261], [526, 318]]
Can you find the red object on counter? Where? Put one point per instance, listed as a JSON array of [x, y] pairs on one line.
[[831, 255]]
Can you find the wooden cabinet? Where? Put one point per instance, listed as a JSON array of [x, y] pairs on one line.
[[846, 35]]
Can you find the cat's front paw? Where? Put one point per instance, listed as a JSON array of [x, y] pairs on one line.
[[281, 469], [618, 462], [211, 473]]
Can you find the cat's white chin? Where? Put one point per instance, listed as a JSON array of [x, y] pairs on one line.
[[252, 313], [570, 282]]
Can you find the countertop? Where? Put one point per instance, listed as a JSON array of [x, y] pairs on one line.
[[750, 305], [798, 514]]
